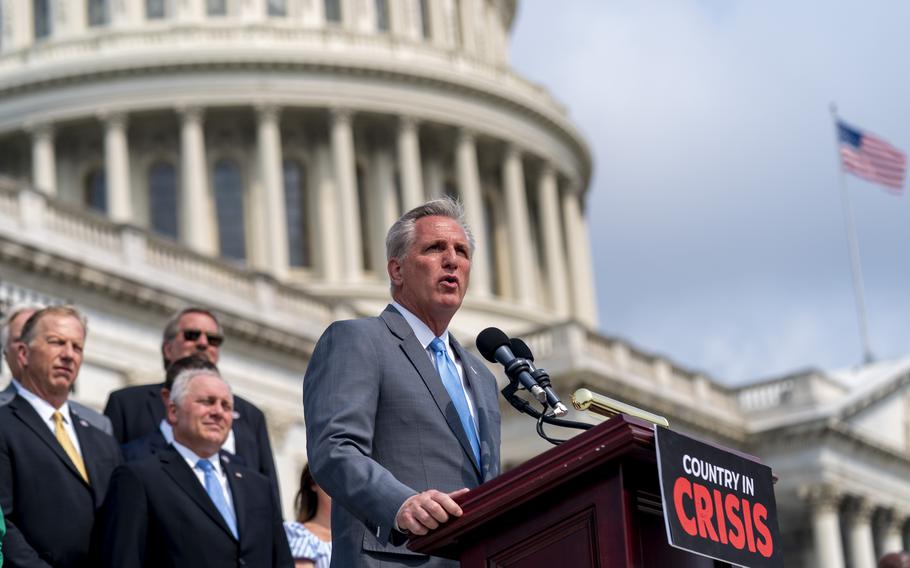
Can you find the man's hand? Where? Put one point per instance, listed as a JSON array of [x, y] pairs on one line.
[[425, 511]]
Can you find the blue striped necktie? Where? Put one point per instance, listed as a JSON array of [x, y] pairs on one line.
[[450, 379]]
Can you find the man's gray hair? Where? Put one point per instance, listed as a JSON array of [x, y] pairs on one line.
[[184, 378], [401, 235], [11, 314], [31, 324]]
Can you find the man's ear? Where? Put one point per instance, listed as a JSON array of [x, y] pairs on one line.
[[165, 396], [21, 355], [171, 412], [394, 268]]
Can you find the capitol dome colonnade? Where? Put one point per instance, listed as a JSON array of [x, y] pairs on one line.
[[287, 136]]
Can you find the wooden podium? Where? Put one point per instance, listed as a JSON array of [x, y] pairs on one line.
[[593, 501]]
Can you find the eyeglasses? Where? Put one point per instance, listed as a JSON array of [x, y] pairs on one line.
[[214, 339]]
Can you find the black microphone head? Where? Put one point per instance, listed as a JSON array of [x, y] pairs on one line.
[[521, 349], [489, 340]]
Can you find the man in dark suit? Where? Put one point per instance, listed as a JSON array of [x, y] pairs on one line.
[[400, 418], [137, 411], [188, 506], [9, 335], [54, 465]]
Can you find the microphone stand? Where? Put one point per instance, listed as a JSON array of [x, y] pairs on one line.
[[523, 406]]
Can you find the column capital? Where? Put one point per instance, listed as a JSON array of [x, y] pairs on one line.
[[341, 115], [858, 509], [408, 122], [40, 128], [513, 151], [268, 111], [116, 119], [547, 168], [891, 519], [467, 135], [821, 497], [190, 113]]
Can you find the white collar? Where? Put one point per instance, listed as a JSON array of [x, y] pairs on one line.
[[192, 458], [421, 330], [41, 406]]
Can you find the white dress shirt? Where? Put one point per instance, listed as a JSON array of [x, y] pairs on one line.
[[46, 412]]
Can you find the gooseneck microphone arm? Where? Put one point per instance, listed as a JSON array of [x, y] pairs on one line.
[[540, 376], [496, 347]]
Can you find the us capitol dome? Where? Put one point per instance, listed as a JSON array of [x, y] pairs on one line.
[[249, 156]]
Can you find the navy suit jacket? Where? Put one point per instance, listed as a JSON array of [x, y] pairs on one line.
[[381, 427], [49, 508], [158, 515], [137, 411]]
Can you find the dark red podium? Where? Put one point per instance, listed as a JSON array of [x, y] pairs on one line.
[[593, 501]]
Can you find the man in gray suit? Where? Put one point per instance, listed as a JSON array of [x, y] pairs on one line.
[[400, 418], [9, 335]]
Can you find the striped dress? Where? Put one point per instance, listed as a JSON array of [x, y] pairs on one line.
[[307, 546]]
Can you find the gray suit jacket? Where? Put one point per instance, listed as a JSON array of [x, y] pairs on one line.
[[381, 427], [94, 418]]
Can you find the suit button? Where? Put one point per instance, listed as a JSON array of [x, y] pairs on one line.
[[241, 562]]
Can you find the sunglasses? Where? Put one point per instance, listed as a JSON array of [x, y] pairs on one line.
[[214, 339]]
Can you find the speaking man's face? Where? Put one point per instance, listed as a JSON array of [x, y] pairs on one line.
[[197, 333], [51, 360], [432, 278], [204, 417]]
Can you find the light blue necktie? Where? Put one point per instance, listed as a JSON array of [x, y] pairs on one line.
[[450, 379], [213, 488]]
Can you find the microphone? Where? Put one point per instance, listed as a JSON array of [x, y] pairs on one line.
[[494, 345], [540, 376]]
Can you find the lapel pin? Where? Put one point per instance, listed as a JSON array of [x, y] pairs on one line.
[[238, 474], [83, 423], [236, 415]]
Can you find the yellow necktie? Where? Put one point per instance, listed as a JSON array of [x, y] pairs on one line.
[[68, 446]]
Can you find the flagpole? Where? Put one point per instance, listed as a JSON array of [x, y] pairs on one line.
[[855, 266]]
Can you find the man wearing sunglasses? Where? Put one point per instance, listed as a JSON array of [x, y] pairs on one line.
[[139, 411]]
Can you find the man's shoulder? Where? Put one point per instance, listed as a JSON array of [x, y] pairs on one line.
[[135, 391], [93, 417], [246, 408]]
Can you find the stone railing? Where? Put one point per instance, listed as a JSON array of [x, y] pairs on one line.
[[617, 366], [135, 255], [766, 395]]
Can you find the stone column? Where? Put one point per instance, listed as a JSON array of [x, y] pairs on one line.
[[553, 250], [409, 164], [433, 183], [327, 248], [44, 161], [382, 206], [117, 168], [469, 190], [823, 501], [578, 252], [346, 184], [273, 231], [466, 11], [525, 285], [890, 531], [859, 533], [196, 216]]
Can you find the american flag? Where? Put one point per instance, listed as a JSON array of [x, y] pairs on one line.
[[867, 156]]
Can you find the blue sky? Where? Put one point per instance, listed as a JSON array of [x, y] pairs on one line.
[[715, 206]]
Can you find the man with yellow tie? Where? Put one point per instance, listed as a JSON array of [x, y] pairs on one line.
[[54, 465]]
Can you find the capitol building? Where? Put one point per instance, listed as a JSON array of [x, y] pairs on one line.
[[249, 156]]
